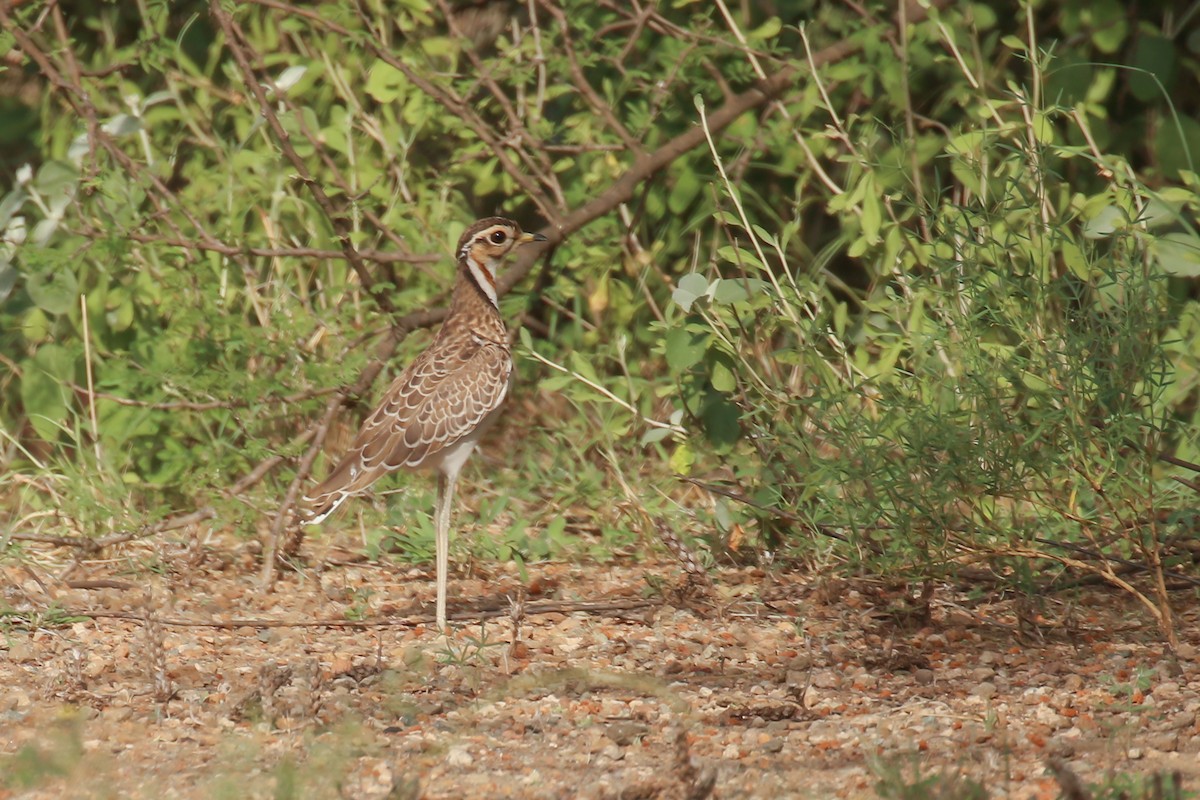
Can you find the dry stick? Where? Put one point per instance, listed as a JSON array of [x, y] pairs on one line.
[[537, 159], [226, 249], [404, 622], [206, 405], [455, 105], [1108, 574], [594, 100], [212, 244], [162, 526], [1105, 558], [96, 545], [93, 125]]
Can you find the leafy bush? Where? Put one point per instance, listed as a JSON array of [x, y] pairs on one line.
[[934, 299]]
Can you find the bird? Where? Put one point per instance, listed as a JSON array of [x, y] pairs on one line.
[[434, 413]]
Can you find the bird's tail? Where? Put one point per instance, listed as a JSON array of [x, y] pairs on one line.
[[347, 479], [320, 502]]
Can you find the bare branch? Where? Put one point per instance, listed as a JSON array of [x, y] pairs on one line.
[[234, 41]]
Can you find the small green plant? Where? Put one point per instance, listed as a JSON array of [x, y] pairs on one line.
[[55, 757], [1140, 681], [1127, 786], [52, 616], [473, 650], [360, 605], [904, 779]]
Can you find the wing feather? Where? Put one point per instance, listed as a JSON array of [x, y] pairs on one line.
[[440, 399]]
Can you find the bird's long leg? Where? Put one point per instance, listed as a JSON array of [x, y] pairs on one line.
[[441, 519]]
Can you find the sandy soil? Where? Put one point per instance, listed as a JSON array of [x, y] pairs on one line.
[[771, 684]]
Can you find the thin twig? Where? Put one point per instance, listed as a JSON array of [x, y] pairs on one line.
[[548, 607], [234, 41]]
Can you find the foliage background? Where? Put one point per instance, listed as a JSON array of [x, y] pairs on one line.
[[928, 311]]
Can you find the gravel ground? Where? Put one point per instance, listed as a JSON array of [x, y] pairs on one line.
[[767, 685]]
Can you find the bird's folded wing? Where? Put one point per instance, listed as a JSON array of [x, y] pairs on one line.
[[441, 398]]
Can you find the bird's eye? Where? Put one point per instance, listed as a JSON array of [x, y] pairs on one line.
[[498, 237]]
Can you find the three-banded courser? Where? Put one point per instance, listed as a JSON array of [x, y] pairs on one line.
[[434, 413]]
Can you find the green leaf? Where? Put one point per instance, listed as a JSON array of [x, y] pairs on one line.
[[1110, 25], [122, 125], [290, 77], [54, 291], [686, 187], [682, 459], [722, 377], [8, 276], [44, 391], [1155, 57], [1034, 383], [872, 218], [684, 349], [737, 290], [440, 46], [768, 30], [690, 287], [581, 366], [56, 177], [721, 421], [1177, 145], [385, 83], [1073, 257], [1178, 254], [11, 203], [1105, 223], [655, 435], [740, 257], [1013, 43]]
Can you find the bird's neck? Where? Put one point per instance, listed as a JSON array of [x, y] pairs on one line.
[[474, 299], [482, 275]]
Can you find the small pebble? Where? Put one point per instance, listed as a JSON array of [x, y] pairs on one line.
[[626, 733], [20, 652], [826, 679], [985, 690], [1165, 742], [459, 756], [923, 676], [1060, 746], [1168, 690], [612, 752], [839, 653]]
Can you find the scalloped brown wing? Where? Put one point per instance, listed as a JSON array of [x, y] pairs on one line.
[[439, 400]]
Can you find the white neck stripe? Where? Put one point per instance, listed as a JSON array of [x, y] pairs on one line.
[[481, 274]]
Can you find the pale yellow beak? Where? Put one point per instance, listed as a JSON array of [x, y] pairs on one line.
[[526, 238]]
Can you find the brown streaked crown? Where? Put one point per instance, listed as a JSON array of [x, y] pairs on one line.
[[490, 239]]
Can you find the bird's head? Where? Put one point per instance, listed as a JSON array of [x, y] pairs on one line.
[[484, 245]]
